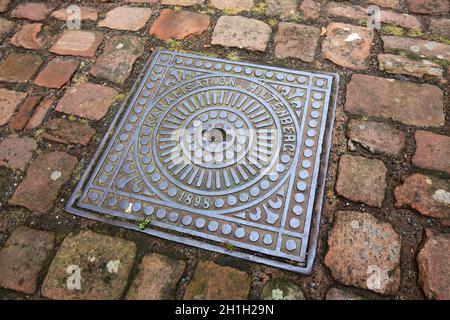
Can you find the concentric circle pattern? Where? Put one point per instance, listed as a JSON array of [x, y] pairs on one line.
[[217, 154], [219, 142]]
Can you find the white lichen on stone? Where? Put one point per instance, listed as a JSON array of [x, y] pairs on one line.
[[352, 37], [55, 175], [378, 278], [442, 196], [113, 266]]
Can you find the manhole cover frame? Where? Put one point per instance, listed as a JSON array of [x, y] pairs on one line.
[[312, 224]]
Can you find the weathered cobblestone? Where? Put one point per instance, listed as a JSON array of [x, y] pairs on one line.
[[338, 294], [23, 257], [296, 41], [235, 5], [19, 67], [428, 195], [16, 152], [417, 47], [27, 36], [45, 177], [40, 113], [280, 289], [6, 27], [126, 18], [78, 43], [347, 45], [102, 262], [66, 131], [214, 282], [434, 268], [413, 67], [410, 103], [4, 5], [57, 73], [373, 263], [86, 14], [441, 27], [20, 119], [116, 62], [428, 6], [432, 151], [9, 101], [281, 8], [183, 3], [358, 13], [393, 4], [157, 278], [362, 179], [377, 136], [179, 24], [87, 100], [241, 32], [311, 9], [35, 11]]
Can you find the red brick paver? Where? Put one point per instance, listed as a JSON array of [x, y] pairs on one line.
[[432, 151], [410, 103], [428, 6], [16, 152], [434, 268], [377, 136], [417, 47], [374, 258], [347, 45], [20, 119], [179, 24], [9, 100], [5, 27], [214, 282], [57, 73], [157, 278], [235, 5], [19, 67], [428, 195], [283, 8], [77, 43], [66, 131], [126, 18], [4, 5], [35, 11], [23, 257], [86, 14], [362, 179], [241, 32], [441, 27], [45, 177], [296, 41], [27, 36], [412, 67], [40, 112], [87, 100], [89, 266]]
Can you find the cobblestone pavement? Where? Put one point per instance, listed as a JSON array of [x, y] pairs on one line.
[[385, 227]]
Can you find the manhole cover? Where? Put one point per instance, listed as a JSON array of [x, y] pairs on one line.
[[226, 156]]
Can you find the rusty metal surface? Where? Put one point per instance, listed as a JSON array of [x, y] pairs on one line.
[[230, 155]]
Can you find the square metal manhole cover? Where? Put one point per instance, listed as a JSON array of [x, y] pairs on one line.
[[222, 155]]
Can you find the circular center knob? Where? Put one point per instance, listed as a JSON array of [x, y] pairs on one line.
[[215, 135]]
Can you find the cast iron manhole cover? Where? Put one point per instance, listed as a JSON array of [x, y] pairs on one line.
[[226, 156]]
